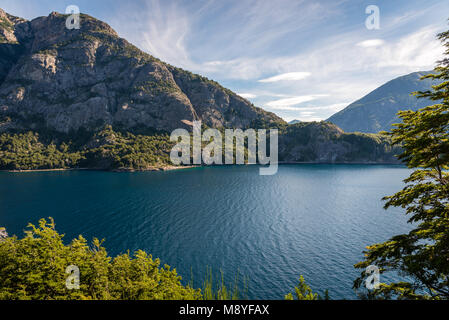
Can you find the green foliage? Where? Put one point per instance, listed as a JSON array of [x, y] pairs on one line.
[[309, 137], [129, 151], [35, 268], [155, 87], [213, 290], [422, 255], [302, 292], [3, 233], [6, 24], [106, 149], [26, 151]]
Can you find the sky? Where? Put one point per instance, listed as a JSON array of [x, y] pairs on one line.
[[300, 59]]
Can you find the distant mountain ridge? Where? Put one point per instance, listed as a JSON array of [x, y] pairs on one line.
[[377, 111]]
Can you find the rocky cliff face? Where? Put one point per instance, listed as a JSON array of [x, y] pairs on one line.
[[66, 80]]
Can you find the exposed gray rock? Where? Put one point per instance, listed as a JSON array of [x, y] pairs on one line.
[[71, 79]]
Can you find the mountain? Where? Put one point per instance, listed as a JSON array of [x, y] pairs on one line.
[[67, 80], [377, 111], [88, 98], [294, 121]]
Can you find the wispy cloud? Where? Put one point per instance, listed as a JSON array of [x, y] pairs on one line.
[[332, 107], [159, 28], [247, 45], [371, 43], [285, 103], [416, 50], [247, 95], [289, 76]]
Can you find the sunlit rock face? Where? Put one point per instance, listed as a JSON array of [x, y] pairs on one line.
[[67, 79]]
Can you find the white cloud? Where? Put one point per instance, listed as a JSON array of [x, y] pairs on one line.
[[306, 113], [285, 104], [289, 76], [419, 50], [304, 118], [243, 47], [332, 107], [158, 28], [415, 51], [323, 112], [371, 43], [247, 95]]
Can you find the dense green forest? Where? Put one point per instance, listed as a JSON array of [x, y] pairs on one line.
[[107, 149], [114, 149]]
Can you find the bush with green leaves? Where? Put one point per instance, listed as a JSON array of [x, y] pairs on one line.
[[304, 292], [34, 267]]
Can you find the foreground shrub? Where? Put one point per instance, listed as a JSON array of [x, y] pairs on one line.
[[35, 268]]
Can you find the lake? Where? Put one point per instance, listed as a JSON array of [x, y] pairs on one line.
[[310, 220]]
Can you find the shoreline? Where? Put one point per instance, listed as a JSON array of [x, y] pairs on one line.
[[171, 168], [339, 163], [150, 169], [44, 170]]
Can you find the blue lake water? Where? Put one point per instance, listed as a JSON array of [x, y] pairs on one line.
[[313, 220]]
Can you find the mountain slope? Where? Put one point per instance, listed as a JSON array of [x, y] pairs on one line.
[[377, 111], [88, 98], [324, 142], [67, 80]]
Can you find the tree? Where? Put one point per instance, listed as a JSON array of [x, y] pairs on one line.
[[303, 291], [34, 267], [422, 255]]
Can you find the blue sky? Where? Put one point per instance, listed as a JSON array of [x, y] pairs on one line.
[[300, 59]]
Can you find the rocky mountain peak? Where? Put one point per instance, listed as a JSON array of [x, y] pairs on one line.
[[71, 79]]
